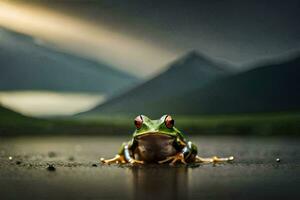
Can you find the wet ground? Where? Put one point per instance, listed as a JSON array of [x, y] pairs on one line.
[[68, 168]]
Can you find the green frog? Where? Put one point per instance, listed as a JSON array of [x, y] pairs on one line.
[[158, 141]]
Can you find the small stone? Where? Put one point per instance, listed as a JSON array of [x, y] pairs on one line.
[[277, 159], [71, 158], [51, 154], [94, 165], [10, 158], [51, 167], [18, 162]]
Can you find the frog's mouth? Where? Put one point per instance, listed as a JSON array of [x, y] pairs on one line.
[[154, 135]]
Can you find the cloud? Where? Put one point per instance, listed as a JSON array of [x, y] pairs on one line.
[[81, 37]]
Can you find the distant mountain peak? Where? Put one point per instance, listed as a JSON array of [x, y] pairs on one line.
[[193, 55], [195, 59]]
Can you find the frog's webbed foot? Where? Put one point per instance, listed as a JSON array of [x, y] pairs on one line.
[[117, 159], [174, 159], [214, 159]]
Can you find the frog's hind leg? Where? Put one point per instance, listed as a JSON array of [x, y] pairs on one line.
[[124, 156], [214, 159], [117, 159]]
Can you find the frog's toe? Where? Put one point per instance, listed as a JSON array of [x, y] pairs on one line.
[[214, 159], [108, 161], [166, 160], [174, 159], [133, 161], [231, 158], [179, 157], [217, 159]]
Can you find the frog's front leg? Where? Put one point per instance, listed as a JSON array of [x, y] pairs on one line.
[[128, 157], [124, 156], [185, 155]]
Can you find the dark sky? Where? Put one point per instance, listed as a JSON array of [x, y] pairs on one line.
[[233, 29], [238, 31]]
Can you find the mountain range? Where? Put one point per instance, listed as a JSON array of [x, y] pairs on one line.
[[266, 88], [188, 73], [26, 64], [9, 113]]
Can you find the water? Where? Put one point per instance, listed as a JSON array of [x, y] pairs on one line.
[[255, 174], [46, 103]]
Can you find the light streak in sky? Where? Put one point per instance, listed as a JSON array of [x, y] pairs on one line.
[[84, 38]]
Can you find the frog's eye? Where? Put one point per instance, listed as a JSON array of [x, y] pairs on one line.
[[169, 121], [138, 122]]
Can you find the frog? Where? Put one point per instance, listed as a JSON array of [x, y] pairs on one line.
[[159, 141]]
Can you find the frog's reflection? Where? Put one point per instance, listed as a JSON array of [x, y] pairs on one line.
[[154, 182]]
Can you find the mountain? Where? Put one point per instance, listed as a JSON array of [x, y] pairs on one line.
[[13, 123], [192, 71], [5, 112], [25, 64], [270, 88], [12, 120], [266, 88]]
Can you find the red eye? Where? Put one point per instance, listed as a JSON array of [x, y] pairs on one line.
[[138, 122], [169, 122]]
